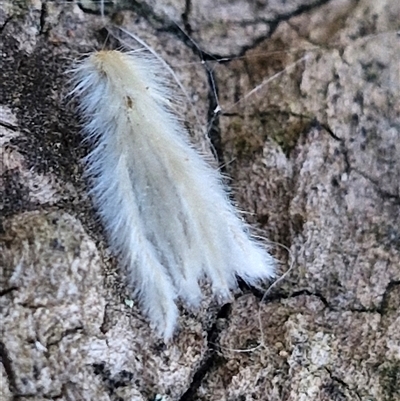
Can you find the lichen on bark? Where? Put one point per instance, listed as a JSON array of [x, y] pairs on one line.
[[312, 155]]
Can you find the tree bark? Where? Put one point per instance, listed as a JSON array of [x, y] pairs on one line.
[[300, 101]]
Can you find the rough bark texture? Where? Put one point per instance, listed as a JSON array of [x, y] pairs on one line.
[[313, 155]]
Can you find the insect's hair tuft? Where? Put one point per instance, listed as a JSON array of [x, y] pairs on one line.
[[165, 210]]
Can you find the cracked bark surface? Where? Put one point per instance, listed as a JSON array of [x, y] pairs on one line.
[[313, 154]]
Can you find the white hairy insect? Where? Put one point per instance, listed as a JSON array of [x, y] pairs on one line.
[[164, 208]]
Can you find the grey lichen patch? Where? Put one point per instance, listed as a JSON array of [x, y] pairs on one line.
[[23, 13], [50, 259], [229, 27], [53, 284], [302, 350], [56, 326]]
